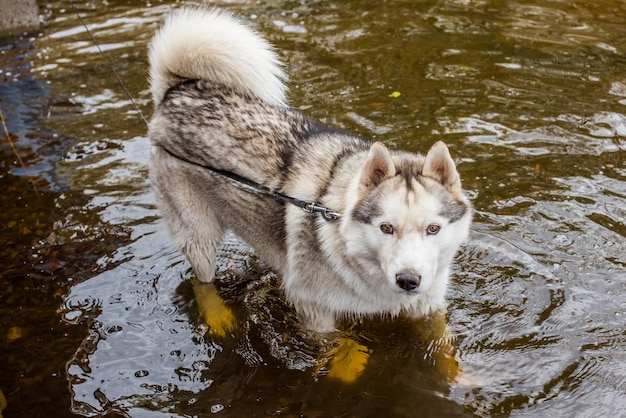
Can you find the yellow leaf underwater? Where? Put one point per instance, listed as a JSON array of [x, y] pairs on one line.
[[14, 333]]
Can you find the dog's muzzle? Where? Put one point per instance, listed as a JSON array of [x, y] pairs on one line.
[[408, 280]]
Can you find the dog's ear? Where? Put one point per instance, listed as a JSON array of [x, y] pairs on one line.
[[378, 166], [439, 166]]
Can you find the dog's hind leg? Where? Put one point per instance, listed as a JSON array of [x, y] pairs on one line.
[[200, 240], [188, 212], [200, 245], [213, 310], [198, 233]]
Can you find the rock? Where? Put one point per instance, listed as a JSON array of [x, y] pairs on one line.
[[18, 16]]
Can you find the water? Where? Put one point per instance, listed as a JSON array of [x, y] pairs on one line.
[[98, 315]]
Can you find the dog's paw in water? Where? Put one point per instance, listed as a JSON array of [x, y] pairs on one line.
[[212, 309], [441, 350], [347, 360]]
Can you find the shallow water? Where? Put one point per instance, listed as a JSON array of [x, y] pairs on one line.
[[98, 315]]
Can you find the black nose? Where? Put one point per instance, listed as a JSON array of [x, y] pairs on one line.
[[408, 281]]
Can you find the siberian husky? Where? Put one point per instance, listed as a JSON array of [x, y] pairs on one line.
[[220, 107]]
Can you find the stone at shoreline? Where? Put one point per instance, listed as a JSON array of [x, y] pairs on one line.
[[18, 16]]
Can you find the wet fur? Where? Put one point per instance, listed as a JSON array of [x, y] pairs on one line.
[[216, 106]]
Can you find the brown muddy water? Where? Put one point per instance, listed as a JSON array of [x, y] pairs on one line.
[[98, 317]]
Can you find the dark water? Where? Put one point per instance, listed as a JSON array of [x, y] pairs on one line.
[[97, 315]]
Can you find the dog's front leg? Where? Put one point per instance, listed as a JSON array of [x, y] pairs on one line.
[[315, 318], [347, 359], [434, 331]]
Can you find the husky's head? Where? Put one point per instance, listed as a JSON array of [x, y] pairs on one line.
[[408, 218]]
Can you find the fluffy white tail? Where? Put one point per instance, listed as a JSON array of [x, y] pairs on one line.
[[208, 44]]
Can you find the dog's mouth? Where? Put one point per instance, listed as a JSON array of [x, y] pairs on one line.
[[408, 292]]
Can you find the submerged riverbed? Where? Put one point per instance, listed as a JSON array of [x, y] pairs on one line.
[[97, 312]]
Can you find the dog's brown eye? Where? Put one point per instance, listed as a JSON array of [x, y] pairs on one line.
[[433, 229], [386, 228]]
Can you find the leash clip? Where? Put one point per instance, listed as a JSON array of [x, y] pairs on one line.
[[327, 214]]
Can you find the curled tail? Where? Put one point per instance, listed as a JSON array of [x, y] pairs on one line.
[[207, 44]]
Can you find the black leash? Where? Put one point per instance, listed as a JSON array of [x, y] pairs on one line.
[[328, 214], [307, 206]]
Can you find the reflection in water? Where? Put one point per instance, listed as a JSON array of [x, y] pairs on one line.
[[530, 98]]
